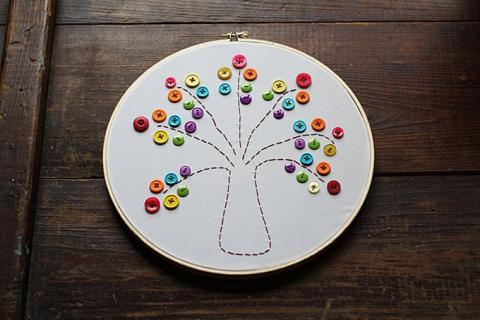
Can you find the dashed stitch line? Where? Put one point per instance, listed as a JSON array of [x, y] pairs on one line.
[[197, 172], [211, 117], [263, 119], [199, 139], [287, 140], [292, 160], [239, 113]]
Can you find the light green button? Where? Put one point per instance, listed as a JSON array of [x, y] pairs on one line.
[[267, 95], [302, 177], [247, 87], [189, 104], [314, 144], [178, 140], [182, 191]]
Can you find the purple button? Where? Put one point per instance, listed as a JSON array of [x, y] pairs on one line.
[[190, 126], [197, 113], [299, 143], [278, 114], [290, 167], [185, 171], [245, 98]]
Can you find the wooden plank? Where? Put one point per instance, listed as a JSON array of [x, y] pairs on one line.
[[23, 76], [4, 6], [216, 11], [418, 82], [412, 253]]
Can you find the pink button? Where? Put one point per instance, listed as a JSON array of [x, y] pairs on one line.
[[304, 80], [239, 61], [337, 132], [170, 82]]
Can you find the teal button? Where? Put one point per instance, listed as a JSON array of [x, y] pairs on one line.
[[288, 104], [302, 177], [224, 89], [314, 144], [178, 140], [183, 191], [202, 92], [299, 126], [174, 120], [171, 178], [306, 159], [267, 95], [246, 87], [189, 104]]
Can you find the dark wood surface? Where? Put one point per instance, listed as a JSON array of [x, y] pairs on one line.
[[411, 254]]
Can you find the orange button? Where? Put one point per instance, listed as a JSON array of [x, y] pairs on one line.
[[250, 74], [159, 115], [302, 97], [323, 168], [174, 95], [156, 186], [318, 124]]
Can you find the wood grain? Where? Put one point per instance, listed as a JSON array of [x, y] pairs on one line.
[[218, 11], [23, 75], [4, 6], [419, 84], [412, 253]]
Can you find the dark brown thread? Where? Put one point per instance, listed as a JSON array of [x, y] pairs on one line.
[[194, 173]]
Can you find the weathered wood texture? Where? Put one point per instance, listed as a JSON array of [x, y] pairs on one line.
[[216, 11], [22, 79], [4, 5], [411, 254], [418, 82]]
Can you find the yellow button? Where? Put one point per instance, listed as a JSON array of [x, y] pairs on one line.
[[313, 187], [171, 202], [224, 73], [192, 80], [279, 86], [330, 150], [160, 137]]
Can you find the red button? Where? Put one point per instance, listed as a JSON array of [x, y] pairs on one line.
[[337, 132], [304, 80], [239, 61], [333, 187], [170, 82], [152, 205], [140, 124]]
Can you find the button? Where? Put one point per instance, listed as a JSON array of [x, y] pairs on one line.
[[333, 187], [250, 74], [288, 104], [174, 95], [160, 137], [174, 121], [318, 124], [152, 205], [178, 140], [330, 150], [302, 177], [189, 104], [246, 87], [156, 186], [140, 124], [267, 95], [202, 92], [299, 126], [197, 113], [170, 82], [290, 167], [192, 80], [159, 115], [185, 171], [224, 73], [337, 133], [183, 191], [314, 144], [239, 61], [278, 114], [304, 80], [323, 168], [171, 178], [306, 159], [313, 187], [299, 143], [224, 89], [246, 98], [190, 126], [279, 86], [171, 202], [302, 97]]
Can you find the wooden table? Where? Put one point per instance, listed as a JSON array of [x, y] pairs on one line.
[[412, 253]]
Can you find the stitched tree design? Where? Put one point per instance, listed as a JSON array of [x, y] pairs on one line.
[[237, 157]]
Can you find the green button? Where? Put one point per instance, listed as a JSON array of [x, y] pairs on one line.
[[182, 191], [267, 95], [247, 87], [314, 144], [178, 140], [189, 104], [302, 177]]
